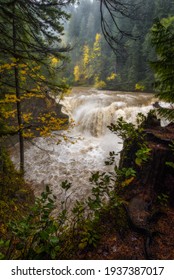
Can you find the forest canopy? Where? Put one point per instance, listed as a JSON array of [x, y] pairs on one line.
[[126, 26]]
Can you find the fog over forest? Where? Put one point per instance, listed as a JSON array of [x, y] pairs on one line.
[[93, 62]]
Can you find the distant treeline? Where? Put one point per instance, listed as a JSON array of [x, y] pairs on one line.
[[92, 60]]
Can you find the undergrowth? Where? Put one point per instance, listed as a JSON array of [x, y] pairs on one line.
[[16, 196]]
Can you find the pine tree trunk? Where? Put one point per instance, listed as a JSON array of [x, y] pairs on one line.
[[21, 139], [17, 91]]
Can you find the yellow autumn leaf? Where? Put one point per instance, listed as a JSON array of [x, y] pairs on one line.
[[127, 182], [23, 72], [3, 229], [27, 117], [36, 68], [9, 98], [54, 61], [112, 77], [14, 59], [86, 56], [43, 119], [42, 77], [28, 134], [6, 66], [139, 87], [23, 79], [97, 37], [76, 73], [9, 114], [22, 65]]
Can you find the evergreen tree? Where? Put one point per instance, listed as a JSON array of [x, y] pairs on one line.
[[126, 26], [30, 35], [162, 34]]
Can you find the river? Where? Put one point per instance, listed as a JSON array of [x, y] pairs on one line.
[[49, 161]]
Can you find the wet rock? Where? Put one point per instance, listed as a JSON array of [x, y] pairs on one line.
[[138, 209]]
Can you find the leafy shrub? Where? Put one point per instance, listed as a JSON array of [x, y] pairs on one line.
[[99, 84]]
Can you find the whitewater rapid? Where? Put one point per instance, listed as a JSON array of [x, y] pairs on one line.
[[51, 160]]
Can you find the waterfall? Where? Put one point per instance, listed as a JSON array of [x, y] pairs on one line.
[[94, 112], [50, 161]]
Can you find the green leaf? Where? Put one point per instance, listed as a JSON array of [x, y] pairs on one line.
[[2, 242], [65, 185], [7, 243], [54, 239], [53, 255], [171, 164], [57, 248], [44, 235], [138, 161], [39, 249], [82, 245], [2, 256]]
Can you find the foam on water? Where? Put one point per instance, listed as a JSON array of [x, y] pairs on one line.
[[47, 162]]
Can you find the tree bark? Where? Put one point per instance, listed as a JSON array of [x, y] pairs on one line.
[[17, 92]]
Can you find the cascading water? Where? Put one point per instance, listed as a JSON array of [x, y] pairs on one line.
[[89, 144]]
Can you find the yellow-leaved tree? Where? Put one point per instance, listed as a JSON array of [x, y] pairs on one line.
[[33, 93], [87, 67], [97, 46], [86, 55], [76, 73], [30, 35]]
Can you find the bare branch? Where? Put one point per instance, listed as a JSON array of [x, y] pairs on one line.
[[111, 11]]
